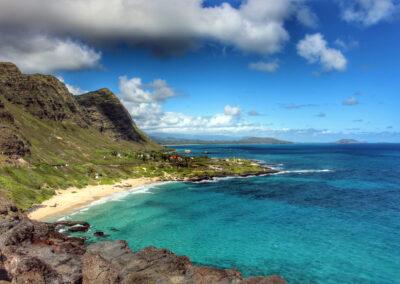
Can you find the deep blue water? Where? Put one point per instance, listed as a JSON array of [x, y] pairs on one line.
[[331, 216]]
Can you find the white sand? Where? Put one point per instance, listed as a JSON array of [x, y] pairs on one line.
[[73, 198]]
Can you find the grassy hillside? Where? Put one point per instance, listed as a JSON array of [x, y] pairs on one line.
[[32, 178], [48, 140]]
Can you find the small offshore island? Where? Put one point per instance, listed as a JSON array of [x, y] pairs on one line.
[[59, 152]]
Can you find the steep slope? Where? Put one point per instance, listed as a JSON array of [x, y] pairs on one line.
[[106, 113], [43, 96]]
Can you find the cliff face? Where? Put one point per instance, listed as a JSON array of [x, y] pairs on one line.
[[38, 109], [43, 96], [106, 113]]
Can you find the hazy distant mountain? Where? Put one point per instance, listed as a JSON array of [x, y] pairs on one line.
[[251, 140], [349, 141]]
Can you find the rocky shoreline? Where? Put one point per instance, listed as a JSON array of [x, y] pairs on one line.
[[264, 171], [36, 252]]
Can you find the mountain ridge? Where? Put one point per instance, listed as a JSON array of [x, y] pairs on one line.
[[243, 141], [29, 100]]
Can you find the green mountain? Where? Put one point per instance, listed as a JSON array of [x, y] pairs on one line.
[[42, 126], [251, 140]]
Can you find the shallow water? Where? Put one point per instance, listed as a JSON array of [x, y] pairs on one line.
[[331, 216]]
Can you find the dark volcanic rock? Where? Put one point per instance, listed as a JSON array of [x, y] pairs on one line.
[[100, 234], [109, 116], [7, 208], [114, 262], [34, 252], [74, 226]]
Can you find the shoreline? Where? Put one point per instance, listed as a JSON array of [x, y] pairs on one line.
[[65, 200]]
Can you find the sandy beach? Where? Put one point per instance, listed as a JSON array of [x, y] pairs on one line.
[[73, 198]]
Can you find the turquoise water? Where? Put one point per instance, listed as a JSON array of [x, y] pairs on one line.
[[331, 216]]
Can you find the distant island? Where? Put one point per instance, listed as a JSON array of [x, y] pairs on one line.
[[244, 141], [350, 141]]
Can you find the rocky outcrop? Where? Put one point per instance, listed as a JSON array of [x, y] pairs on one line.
[[8, 210], [114, 262], [35, 252], [109, 116]]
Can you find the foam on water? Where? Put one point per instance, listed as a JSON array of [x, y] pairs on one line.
[[303, 171], [119, 196]]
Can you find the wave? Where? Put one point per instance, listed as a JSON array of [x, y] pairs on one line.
[[214, 179], [119, 196], [304, 171]]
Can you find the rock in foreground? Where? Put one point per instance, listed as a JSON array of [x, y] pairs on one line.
[[34, 252]]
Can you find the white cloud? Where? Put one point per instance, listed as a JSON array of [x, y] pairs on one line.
[[146, 109], [75, 90], [369, 12], [351, 101], [307, 17], [232, 111], [270, 67], [132, 90], [46, 54], [314, 48], [151, 118], [346, 45]]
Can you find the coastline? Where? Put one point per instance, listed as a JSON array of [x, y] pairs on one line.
[[65, 200], [73, 198]]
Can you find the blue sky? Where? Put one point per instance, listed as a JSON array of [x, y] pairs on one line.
[[306, 71]]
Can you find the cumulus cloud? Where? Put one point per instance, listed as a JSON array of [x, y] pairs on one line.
[[269, 67], [152, 119], [75, 90], [253, 113], [44, 54], [232, 111], [132, 90], [314, 48], [351, 101], [144, 102], [166, 27], [369, 12]]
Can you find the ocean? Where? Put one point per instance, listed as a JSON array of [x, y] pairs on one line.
[[332, 214]]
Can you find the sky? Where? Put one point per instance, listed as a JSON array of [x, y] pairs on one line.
[[304, 71]]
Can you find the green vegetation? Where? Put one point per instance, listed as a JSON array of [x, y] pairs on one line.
[[33, 184]]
